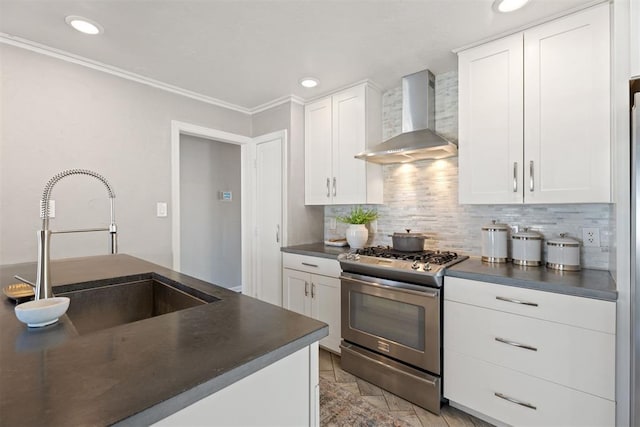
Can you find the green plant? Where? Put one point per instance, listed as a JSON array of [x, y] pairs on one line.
[[359, 216]]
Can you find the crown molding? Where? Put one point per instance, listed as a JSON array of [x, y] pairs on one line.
[[283, 100], [95, 65]]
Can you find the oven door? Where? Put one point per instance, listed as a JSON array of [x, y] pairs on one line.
[[396, 319]]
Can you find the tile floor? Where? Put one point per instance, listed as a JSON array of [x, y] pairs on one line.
[[411, 414]]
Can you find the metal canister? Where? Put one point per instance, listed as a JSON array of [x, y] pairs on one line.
[[563, 253], [526, 248], [494, 242]]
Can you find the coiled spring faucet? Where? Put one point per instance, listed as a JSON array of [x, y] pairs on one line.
[[43, 278]]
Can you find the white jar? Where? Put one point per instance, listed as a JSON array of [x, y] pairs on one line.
[[494, 242], [526, 248], [563, 253]]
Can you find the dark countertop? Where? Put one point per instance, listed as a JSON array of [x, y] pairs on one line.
[[317, 249], [141, 372], [587, 283]]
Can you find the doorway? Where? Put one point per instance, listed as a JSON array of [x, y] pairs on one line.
[[262, 202]]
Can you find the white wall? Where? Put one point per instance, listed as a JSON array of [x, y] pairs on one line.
[[210, 229], [56, 115]]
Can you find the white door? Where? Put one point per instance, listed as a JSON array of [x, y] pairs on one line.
[[491, 122], [269, 214], [567, 109]]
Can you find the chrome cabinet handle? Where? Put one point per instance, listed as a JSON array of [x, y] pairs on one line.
[[517, 301], [306, 289], [516, 401], [335, 187], [515, 177], [313, 290], [531, 175], [328, 187], [278, 233], [515, 344], [309, 265]]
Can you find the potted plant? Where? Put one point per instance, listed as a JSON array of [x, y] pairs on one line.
[[357, 233]]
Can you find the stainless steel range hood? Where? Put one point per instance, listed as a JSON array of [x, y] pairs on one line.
[[418, 140]]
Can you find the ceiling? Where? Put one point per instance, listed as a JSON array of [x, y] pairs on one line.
[[251, 52]]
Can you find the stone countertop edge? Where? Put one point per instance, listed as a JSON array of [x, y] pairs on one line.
[[183, 400], [317, 249], [194, 384], [587, 283]]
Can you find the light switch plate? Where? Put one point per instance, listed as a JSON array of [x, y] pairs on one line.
[[161, 209]]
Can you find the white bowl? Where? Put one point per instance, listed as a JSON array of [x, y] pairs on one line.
[[42, 312]]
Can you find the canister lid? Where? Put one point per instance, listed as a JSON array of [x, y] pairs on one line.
[[495, 226], [563, 241], [526, 234]]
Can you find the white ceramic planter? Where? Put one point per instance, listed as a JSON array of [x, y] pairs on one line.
[[357, 235]]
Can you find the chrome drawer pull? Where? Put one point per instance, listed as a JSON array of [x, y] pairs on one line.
[[517, 301], [531, 186], [313, 290], [310, 265], [515, 344], [516, 401], [306, 289], [515, 177], [335, 188], [328, 187]]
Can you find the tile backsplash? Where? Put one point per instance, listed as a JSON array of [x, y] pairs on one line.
[[423, 196]]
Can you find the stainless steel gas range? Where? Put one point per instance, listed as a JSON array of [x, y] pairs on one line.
[[391, 320]]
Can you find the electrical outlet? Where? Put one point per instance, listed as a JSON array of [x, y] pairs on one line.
[[332, 223], [591, 237]]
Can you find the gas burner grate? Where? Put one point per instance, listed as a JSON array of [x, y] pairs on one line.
[[433, 257]]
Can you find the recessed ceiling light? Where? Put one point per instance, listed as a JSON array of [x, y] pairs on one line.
[[309, 82], [508, 5], [84, 25]]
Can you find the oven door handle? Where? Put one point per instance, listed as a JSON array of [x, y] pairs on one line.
[[427, 292]]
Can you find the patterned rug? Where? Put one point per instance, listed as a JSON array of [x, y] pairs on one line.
[[341, 408]]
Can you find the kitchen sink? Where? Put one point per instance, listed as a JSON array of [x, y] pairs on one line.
[[108, 305]]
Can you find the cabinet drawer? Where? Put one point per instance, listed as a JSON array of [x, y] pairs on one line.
[[474, 384], [575, 357], [311, 264], [586, 313]]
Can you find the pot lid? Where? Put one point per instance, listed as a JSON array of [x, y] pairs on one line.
[[563, 240], [408, 233], [526, 234], [495, 226]]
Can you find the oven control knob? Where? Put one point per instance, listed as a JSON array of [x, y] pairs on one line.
[[427, 266], [415, 265]]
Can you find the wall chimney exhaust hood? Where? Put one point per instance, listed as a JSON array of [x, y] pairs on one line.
[[417, 141]]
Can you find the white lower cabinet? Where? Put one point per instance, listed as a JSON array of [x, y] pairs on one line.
[[527, 357], [311, 287], [284, 393]]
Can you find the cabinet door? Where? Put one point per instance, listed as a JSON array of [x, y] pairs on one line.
[[296, 287], [349, 180], [326, 308], [634, 45], [567, 109], [491, 122], [317, 153]]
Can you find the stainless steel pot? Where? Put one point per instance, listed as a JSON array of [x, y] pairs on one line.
[[408, 242]]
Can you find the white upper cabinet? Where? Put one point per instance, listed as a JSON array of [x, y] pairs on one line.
[[535, 114], [490, 116], [336, 129]]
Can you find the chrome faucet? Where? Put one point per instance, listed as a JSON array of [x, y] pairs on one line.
[[43, 278]]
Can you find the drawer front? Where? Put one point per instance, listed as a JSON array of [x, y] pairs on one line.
[[311, 264], [475, 383], [586, 313], [578, 358]]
